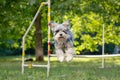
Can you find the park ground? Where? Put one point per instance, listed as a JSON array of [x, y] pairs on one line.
[[78, 69]]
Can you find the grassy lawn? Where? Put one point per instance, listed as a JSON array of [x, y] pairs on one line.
[[78, 69]]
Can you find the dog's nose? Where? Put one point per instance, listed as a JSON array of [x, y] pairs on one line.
[[60, 34]]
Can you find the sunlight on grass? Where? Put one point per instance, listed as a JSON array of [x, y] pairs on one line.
[[82, 59], [74, 59], [78, 69]]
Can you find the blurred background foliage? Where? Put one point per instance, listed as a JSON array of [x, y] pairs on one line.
[[86, 17]]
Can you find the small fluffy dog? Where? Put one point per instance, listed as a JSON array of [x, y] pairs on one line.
[[63, 40]]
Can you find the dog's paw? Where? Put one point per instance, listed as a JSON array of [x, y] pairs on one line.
[[69, 57], [61, 58]]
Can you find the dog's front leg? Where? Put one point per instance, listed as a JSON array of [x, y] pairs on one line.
[[69, 54], [60, 55]]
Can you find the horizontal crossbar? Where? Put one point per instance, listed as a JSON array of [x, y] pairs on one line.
[[91, 56], [34, 65]]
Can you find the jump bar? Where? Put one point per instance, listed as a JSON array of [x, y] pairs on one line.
[[91, 56], [33, 65]]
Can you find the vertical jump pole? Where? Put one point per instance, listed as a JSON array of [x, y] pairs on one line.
[[23, 54], [103, 44], [48, 68]]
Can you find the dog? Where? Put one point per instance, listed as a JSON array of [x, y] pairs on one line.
[[63, 40]]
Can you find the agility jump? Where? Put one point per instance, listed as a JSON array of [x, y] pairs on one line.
[[52, 55], [23, 40]]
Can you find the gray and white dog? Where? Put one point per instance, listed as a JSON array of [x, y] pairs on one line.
[[63, 40]]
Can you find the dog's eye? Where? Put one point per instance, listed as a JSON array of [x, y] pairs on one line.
[[57, 31], [65, 31]]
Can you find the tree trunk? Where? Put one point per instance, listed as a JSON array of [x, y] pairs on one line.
[[38, 42]]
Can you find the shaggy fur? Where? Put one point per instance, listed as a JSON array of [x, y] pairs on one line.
[[63, 39]]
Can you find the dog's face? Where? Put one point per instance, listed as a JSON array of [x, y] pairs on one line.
[[60, 31]]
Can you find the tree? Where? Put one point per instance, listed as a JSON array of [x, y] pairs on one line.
[[17, 16], [38, 47], [87, 18]]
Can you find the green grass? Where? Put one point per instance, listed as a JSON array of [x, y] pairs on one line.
[[78, 69]]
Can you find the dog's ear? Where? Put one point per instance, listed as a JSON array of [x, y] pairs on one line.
[[53, 25], [67, 24]]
